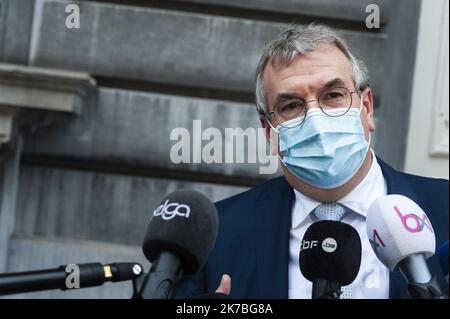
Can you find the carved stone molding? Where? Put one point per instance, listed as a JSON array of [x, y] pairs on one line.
[[6, 123], [25, 87]]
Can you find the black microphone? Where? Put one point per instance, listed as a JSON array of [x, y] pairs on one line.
[[330, 257], [68, 277], [178, 241]]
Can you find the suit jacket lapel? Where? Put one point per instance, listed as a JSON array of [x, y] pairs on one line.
[[274, 229]]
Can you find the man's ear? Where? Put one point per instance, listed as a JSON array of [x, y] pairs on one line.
[[265, 126], [367, 97]]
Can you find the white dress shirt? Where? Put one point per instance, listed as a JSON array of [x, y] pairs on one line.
[[372, 281]]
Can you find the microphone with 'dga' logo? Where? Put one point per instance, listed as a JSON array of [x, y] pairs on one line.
[[179, 238], [402, 237]]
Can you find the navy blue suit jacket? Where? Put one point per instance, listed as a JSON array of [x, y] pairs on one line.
[[253, 240]]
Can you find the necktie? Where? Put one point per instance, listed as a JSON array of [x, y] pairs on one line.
[[336, 212], [330, 211]]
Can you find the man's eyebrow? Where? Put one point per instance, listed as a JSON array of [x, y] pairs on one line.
[[334, 83], [284, 97]]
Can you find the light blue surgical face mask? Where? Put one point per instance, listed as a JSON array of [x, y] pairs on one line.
[[324, 151]]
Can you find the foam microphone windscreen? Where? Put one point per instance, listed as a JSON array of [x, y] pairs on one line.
[[330, 250], [443, 258], [398, 228], [185, 224]]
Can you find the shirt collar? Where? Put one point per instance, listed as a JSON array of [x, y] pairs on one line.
[[358, 200]]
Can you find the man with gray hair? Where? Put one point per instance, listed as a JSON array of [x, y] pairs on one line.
[[316, 106]]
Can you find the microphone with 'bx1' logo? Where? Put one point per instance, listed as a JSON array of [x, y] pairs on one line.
[[330, 257], [179, 238], [402, 237]]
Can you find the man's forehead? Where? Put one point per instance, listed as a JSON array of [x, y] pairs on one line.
[[307, 73], [326, 57]]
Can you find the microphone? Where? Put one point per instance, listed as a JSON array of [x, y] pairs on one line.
[[330, 257], [68, 277], [443, 259], [179, 238], [402, 237]]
